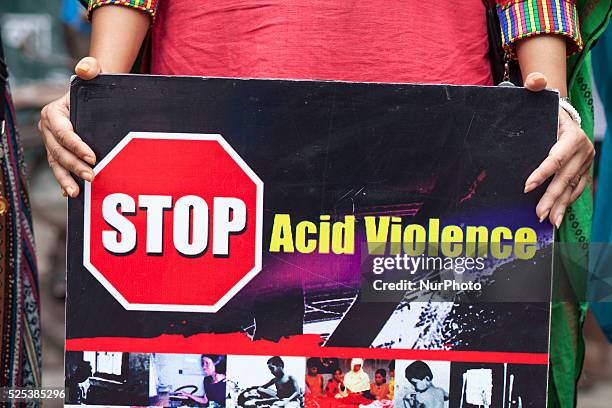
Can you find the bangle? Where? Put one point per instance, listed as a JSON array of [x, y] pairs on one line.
[[567, 106]]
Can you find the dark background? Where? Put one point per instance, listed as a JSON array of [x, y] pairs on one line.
[[314, 144]]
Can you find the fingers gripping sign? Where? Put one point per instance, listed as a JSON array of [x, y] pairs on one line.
[[568, 163], [67, 154]]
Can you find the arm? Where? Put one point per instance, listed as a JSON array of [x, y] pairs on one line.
[[265, 389], [544, 54], [541, 34], [111, 26], [409, 398], [327, 390], [117, 35], [268, 384], [202, 400]]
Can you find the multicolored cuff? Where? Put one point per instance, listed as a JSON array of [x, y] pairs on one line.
[[148, 6], [526, 18]]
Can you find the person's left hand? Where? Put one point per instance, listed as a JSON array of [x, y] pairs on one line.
[[569, 160]]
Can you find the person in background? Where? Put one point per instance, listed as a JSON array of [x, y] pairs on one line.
[[391, 380], [426, 394], [335, 387], [314, 380], [20, 352], [356, 380], [214, 382], [379, 389], [287, 386], [392, 41], [78, 384]]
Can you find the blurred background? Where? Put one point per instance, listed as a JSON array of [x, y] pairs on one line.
[[43, 40]]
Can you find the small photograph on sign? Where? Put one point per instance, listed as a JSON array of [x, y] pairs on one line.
[[108, 378], [422, 384], [476, 385], [187, 380], [352, 382], [490, 385], [265, 381]]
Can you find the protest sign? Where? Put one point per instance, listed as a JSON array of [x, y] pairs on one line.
[[308, 243]]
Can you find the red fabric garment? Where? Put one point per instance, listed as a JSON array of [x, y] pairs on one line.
[[371, 41], [314, 385], [332, 388]]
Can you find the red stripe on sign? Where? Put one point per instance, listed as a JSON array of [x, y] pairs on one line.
[[308, 345]]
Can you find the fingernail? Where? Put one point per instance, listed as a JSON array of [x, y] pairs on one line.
[[83, 66], [536, 75], [529, 187], [64, 193], [70, 191], [90, 159], [544, 215], [87, 176], [559, 220]]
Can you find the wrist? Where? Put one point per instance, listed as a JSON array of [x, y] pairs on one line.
[[545, 54], [566, 105]]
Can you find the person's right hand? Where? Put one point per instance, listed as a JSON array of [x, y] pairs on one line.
[[67, 154]]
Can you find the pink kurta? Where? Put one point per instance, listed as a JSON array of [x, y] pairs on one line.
[[440, 41]]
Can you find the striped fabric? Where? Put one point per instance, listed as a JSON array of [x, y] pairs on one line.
[[148, 6], [20, 354], [526, 18]]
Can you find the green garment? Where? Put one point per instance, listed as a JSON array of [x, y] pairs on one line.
[[569, 305]]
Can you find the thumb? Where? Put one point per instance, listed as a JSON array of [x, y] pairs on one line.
[[536, 82], [88, 68]]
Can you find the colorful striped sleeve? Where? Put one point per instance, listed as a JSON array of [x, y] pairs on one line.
[[526, 18], [148, 6]]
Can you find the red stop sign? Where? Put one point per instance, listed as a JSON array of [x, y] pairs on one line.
[[173, 222]]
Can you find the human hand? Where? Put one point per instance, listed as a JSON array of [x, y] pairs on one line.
[[568, 162], [67, 154]]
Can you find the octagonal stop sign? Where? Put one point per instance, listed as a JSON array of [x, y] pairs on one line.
[[173, 222]]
